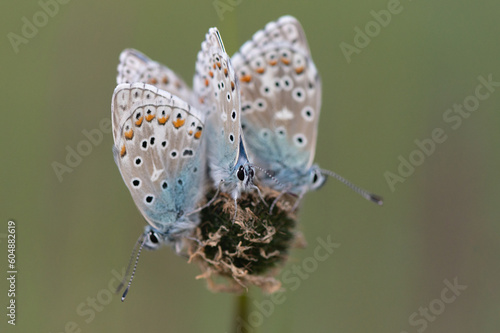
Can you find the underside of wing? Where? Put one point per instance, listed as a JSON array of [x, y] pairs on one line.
[[158, 149], [280, 101], [134, 67], [285, 29], [216, 86]]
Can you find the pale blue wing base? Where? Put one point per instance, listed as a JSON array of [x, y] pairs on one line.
[[277, 154]]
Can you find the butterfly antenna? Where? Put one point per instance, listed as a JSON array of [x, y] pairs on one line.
[[277, 182], [365, 194], [129, 265], [268, 174], [135, 266]]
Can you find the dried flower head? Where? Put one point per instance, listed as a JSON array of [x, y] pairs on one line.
[[248, 250]]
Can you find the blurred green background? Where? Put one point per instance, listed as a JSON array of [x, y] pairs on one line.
[[440, 223]]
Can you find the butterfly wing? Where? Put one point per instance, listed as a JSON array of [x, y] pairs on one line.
[[158, 149], [137, 67], [216, 85], [285, 29], [281, 98]]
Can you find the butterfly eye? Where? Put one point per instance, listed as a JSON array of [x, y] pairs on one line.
[[241, 173], [153, 238], [318, 180]]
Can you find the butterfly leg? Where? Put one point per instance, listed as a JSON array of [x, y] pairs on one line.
[[235, 208], [285, 191], [260, 195], [297, 202], [194, 239], [209, 202]]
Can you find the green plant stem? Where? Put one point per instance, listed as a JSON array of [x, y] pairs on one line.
[[241, 313]]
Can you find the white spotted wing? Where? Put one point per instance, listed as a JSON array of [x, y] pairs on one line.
[[134, 67], [158, 149], [280, 101], [216, 86]]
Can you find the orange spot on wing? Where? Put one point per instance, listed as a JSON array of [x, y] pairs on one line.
[[207, 82], [190, 132], [129, 135], [225, 72], [197, 135], [163, 120], [232, 86], [260, 70], [218, 65], [153, 81], [211, 74], [246, 78], [164, 80], [138, 122], [123, 151], [273, 62], [214, 66], [299, 70], [285, 61], [178, 122], [202, 100], [150, 117]]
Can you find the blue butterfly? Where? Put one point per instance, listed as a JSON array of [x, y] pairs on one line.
[[281, 102], [217, 88], [159, 152]]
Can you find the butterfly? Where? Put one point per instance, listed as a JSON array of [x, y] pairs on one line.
[[217, 88], [280, 106], [159, 151]]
